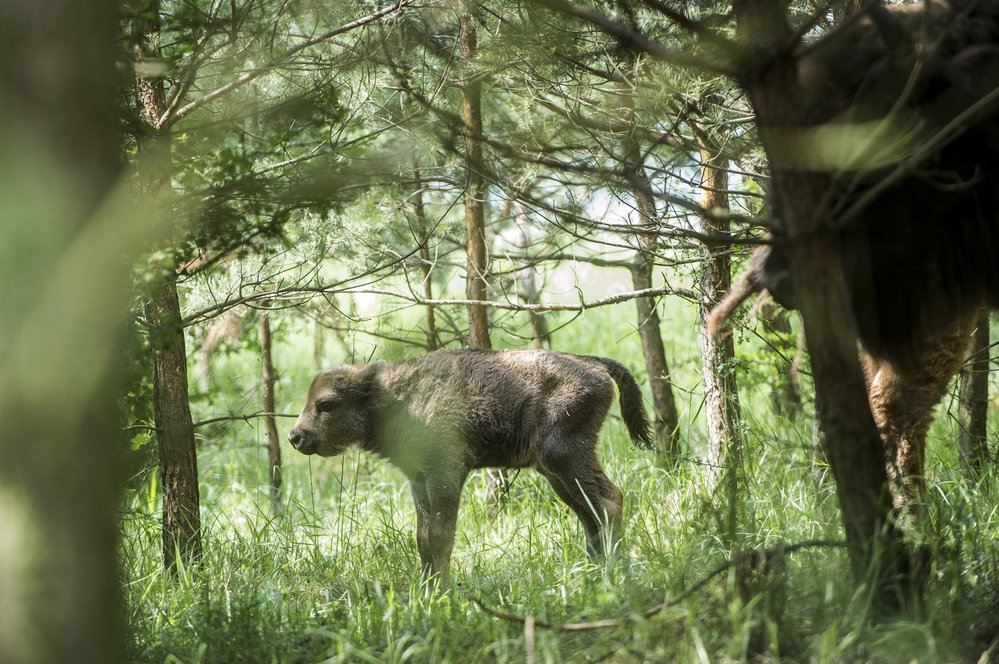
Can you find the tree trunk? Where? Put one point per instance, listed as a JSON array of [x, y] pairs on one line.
[[475, 193], [852, 441], [426, 265], [786, 394], [318, 341], [974, 401], [433, 338], [273, 441], [721, 398], [667, 420], [268, 376], [174, 429], [475, 224], [527, 286], [61, 332]]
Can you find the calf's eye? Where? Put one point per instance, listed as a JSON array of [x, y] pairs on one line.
[[325, 406]]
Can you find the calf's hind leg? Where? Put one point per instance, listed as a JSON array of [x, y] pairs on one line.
[[575, 474]]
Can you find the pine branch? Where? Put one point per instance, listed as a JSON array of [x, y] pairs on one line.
[[174, 114], [637, 41]]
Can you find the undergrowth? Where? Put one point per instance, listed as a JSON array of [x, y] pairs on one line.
[[334, 578]]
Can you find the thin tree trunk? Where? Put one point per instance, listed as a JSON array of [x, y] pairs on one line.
[[318, 341], [974, 401], [433, 338], [268, 376], [527, 286], [786, 394], [174, 429], [426, 265], [475, 194], [721, 398], [273, 441], [475, 224], [60, 437], [667, 420], [852, 441]]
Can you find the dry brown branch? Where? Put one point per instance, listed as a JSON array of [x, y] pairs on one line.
[[738, 558], [513, 306], [303, 292], [215, 420], [241, 418]]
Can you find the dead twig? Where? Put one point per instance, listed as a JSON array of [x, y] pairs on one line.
[[761, 556], [240, 418]]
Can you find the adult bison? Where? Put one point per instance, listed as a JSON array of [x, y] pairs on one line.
[[884, 150], [443, 414]]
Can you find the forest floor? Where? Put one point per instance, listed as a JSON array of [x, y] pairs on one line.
[[335, 577]]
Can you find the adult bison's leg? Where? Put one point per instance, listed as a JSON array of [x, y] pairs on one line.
[[902, 400], [574, 472], [437, 497]]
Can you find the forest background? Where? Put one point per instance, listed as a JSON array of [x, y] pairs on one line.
[[325, 183]]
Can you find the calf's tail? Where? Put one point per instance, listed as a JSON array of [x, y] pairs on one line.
[[632, 405]]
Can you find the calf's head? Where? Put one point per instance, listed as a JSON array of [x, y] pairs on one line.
[[336, 412]]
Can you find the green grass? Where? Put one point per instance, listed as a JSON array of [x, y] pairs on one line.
[[336, 578]]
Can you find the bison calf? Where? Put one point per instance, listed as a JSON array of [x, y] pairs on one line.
[[439, 416]]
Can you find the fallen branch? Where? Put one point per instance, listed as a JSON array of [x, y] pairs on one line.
[[761, 555]]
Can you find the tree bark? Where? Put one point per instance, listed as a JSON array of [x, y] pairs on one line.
[[852, 441], [475, 193], [174, 428], [786, 394], [974, 401], [433, 338], [721, 397], [475, 221], [273, 441], [527, 286], [61, 331], [426, 265], [667, 420]]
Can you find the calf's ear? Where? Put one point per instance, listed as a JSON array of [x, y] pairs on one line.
[[368, 380]]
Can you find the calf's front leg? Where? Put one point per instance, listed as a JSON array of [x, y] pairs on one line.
[[437, 497]]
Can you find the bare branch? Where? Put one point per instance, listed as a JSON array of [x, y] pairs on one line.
[[240, 418], [513, 306]]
